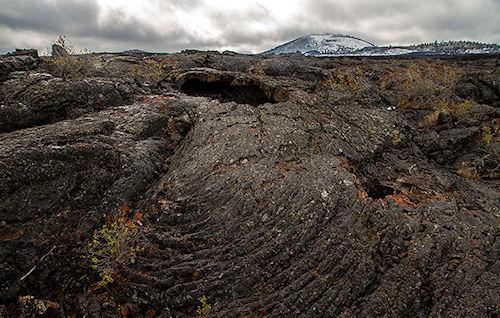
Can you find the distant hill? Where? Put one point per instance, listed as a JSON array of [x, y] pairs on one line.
[[322, 44], [135, 52], [340, 45]]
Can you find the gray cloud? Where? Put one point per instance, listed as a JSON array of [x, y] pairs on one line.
[[48, 16], [253, 26], [406, 22], [76, 19]]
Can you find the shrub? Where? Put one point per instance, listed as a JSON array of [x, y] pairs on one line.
[[415, 85], [463, 108], [114, 245], [66, 45], [71, 65], [152, 70], [432, 118], [344, 82], [447, 107], [406, 103], [396, 137], [467, 170], [204, 309], [347, 80], [490, 135]]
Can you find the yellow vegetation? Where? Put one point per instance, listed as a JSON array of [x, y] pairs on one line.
[[467, 170], [114, 245], [447, 107], [151, 69], [71, 65], [490, 135], [417, 84], [347, 80], [204, 309], [462, 109], [396, 137]]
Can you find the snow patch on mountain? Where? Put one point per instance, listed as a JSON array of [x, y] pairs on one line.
[[321, 44]]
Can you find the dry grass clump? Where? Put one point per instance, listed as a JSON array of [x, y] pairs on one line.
[[343, 81], [462, 109], [469, 171], [152, 70], [485, 167], [71, 65], [443, 107], [416, 85], [396, 137], [490, 134], [347, 80], [115, 245], [204, 309]]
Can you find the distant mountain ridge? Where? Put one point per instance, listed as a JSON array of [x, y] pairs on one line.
[[135, 52], [344, 45]]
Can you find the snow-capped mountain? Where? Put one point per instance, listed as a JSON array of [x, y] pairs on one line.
[[341, 45], [322, 44]]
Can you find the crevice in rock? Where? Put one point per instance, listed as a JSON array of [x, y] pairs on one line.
[[376, 190], [225, 90]]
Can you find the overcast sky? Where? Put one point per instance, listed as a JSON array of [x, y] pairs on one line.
[[240, 25]]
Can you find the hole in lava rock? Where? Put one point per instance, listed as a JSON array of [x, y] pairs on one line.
[[226, 91], [378, 191]]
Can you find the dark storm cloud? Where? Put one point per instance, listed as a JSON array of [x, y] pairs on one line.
[[75, 18], [172, 25], [48, 15], [86, 23]]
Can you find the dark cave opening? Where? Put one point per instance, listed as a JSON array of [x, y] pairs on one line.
[[225, 91], [378, 191]]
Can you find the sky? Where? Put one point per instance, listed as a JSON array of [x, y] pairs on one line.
[[247, 26]]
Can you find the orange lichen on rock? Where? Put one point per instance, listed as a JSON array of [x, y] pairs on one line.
[[401, 199]]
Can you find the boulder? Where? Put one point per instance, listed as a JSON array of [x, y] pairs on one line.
[[60, 180], [30, 52], [9, 64], [59, 51], [29, 98]]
